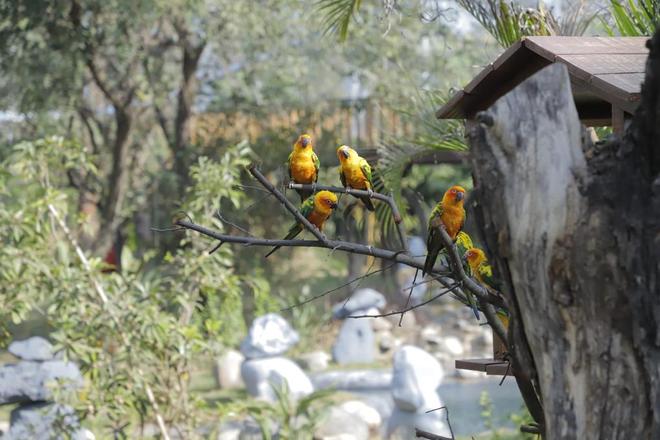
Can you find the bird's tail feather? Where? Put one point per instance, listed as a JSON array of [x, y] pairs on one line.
[[430, 261], [293, 232], [367, 202]]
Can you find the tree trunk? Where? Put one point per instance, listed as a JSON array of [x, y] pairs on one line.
[[573, 231], [181, 147]]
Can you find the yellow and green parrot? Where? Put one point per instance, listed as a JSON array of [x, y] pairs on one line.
[[483, 272], [303, 164], [355, 172], [463, 244], [448, 214], [317, 208]]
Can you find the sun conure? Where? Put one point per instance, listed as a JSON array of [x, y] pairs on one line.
[[303, 164], [483, 272], [355, 172], [463, 244], [450, 214], [317, 208]]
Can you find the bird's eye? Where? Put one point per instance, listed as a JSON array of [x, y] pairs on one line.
[[453, 191]]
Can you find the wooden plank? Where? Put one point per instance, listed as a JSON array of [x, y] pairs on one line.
[[586, 45], [618, 120], [499, 369], [628, 83], [596, 64], [474, 364]]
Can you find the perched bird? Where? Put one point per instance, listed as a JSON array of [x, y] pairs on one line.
[[303, 164], [317, 208], [448, 214], [480, 268], [355, 172]]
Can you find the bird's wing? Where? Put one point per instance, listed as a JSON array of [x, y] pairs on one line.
[[486, 274], [463, 243], [307, 207], [317, 165], [366, 170]]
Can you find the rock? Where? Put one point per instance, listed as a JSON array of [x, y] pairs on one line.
[[227, 370], [362, 299], [230, 430], [314, 361], [415, 376], [401, 424], [482, 343], [386, 342], [260, 375], [269, 335], [366, 413], [355, 343], [380, 324], [353, 380], [45, 421], [417, 246], [35, 348], [431, 335], [452, 345], [29, 381], [340, 424]]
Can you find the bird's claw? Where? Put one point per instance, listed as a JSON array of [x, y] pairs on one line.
[[370, 192], [314, 187]]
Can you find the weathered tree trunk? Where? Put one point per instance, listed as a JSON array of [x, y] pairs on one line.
[[573, 230]]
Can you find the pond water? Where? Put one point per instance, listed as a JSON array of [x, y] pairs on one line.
[[462, 399]]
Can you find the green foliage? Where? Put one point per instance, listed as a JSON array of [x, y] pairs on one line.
[[153, 319], [634, 18], [289, 418], [338, 15], [495, 433], [508, 22]]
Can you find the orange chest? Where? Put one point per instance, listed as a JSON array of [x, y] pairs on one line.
[[318, 218], [303, 169], [453, 219]]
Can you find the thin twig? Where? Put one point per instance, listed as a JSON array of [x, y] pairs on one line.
[[382, 315], [451, 431], [104, 299], [348, 283], [412, 289], [425, 434]]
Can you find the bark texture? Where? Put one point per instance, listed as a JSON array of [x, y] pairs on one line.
[[573, 230]]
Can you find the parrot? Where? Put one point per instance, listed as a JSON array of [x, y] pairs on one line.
[[463, 244], [355, 172], [303, 164], [450, 214], [317, 208], [483, 272]]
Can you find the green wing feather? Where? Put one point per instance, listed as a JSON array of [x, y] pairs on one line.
[[317, 165], [434, 242], [366, 171], [486, 275]]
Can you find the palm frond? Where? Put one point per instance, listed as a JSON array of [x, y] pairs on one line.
[[636, 18], [337, 15], [509, 22]]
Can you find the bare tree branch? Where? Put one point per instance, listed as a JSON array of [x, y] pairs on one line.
[[424, 434]]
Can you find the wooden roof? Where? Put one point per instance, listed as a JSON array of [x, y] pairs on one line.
[[604, 71]]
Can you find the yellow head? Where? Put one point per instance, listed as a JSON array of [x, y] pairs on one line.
[[475, 257], [454, 196], [345, 152], [303, 142], [325, 202]]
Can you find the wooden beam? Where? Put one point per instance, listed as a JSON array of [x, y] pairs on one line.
[[618, 120]]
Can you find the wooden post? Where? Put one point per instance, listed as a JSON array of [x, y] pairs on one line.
[[618, 120]]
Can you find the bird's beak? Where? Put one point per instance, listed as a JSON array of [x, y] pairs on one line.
[[304, 142], [333, 205], [459, 196], [345, 153]]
